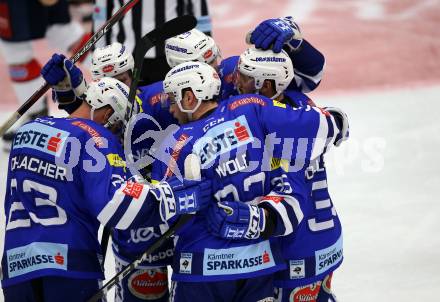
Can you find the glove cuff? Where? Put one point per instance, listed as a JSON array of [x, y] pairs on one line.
[[341, 120], [164, 194], [80, 90], [295, 42], [256, 222]]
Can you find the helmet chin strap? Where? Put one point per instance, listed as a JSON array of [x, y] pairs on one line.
[[92, 112], [275, 95]]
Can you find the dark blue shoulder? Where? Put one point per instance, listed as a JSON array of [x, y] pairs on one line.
[[227, 66], [89, 129], [298, 97]]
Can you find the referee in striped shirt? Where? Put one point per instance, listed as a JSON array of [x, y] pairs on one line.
[[144, 17]]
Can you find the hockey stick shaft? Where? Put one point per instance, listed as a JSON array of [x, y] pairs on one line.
[[133, 265], [169, 29], [43, 89], [104, 242]]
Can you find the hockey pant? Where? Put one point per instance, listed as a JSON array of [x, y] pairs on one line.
[[52, 289], [259, 289]]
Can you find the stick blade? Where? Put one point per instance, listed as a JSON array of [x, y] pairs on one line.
[[174, 27]]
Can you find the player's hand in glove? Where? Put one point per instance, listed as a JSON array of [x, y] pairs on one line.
[[341, 120], [66, 79], [236, 220], [275, 33], [177, 198]]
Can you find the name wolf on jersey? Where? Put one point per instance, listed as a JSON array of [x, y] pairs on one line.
[[232, 166]]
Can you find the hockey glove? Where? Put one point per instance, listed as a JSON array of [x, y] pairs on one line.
[[177, 198], [275, 33], [66, 79], [236, 220], [341, 120]]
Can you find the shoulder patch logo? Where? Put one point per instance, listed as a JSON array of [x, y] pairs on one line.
[[245, 101], [93, 133], [279, 104]]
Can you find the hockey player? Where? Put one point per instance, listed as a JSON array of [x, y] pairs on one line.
[[277, 33], [314, 251], [150, 280], [114, 60], [65, 177], [229, 138], [27, 20]]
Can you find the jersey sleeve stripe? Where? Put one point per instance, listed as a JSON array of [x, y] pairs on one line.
[[317, 185], [322, 204], [321, 137], [297, 215], [282, 212], [112, 206]]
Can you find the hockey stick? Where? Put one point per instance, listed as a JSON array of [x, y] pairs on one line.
[[192, 171], [42, 90], [169, 29]]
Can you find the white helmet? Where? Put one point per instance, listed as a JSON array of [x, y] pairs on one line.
[[109, 91], [193, 45], [200, 77], [111, 60], [266, 65]]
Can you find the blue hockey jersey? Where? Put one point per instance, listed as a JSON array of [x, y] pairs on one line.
[[238, 145], [65, 177], [128, 245], [315, 249]]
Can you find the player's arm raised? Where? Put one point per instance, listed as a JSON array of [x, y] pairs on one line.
[[285, 33]]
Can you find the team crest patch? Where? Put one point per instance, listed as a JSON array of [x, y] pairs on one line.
[[297, 269], [149, 284], [185, 263]]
